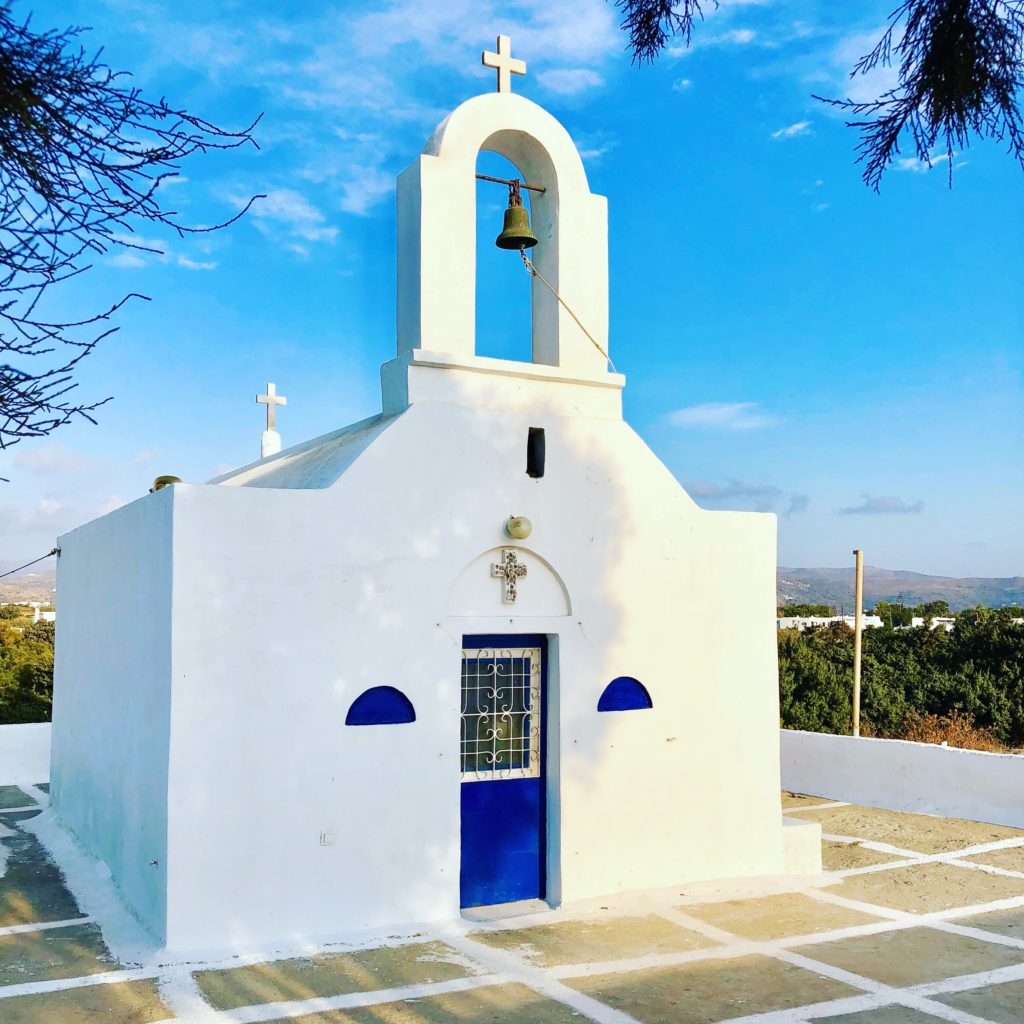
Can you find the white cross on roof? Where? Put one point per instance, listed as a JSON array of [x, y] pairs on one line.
[[271, 400], [504, 63]]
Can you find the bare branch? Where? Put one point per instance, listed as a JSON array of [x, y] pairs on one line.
[[83, 156], [651, 23], [961, 72]]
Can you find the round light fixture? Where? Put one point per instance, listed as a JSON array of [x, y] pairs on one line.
[[518, 527]]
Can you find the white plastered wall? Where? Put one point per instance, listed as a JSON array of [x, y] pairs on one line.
[[288, 604], [112, 696]]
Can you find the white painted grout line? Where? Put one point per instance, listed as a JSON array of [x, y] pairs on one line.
[[871, 844], [38, 988], [965, 982], [796, 808], [44, 926], [538, 979], [989, 869], [976, 933], [910, 858], [181, 994], [258, 1013]]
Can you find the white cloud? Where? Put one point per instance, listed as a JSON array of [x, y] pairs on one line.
[[115, 501], [284, 208], [682, 85], [569, 81], [883, 506], [126, 260], [722, 416], [819, 207], [184, 261], [793, 130], [362, 191], [867, 87], [916, 166], [51, 459]]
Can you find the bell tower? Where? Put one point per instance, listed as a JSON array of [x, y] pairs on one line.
[[436, 196]]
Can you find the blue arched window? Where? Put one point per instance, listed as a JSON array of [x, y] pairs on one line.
[[381, 705], [624, 694]]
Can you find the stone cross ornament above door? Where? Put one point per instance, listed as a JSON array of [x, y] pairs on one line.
[[509, 571]]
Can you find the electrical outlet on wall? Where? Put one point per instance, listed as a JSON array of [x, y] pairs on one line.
[[326, 838]]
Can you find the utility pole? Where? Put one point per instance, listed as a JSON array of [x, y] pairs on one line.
[[858, 598]]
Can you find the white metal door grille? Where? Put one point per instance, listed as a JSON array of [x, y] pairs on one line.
[[500, 713]]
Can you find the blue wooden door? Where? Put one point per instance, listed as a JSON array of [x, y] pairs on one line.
[[502, 763]]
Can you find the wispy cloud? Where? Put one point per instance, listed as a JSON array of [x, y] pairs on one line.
[[137, 251], [285, 208], [883, 506], [762, 497], [793, 130], [569, 81], [861, 88], [916, 166], [797, 503], [733, 37], [682, 85], [52, 459], [722, 416]]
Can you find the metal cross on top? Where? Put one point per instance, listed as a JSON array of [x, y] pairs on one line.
[[504, 63], [510, 572], [271, 400]]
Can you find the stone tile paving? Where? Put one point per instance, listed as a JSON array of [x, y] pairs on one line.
[[710, 991], [497, 1004], [778, 917], [333, 974], [921, 920], [1002, 1003], [578, 942]]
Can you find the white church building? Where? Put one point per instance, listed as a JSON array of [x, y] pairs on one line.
[[479, 648]]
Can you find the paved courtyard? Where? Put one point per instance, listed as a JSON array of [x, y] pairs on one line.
[[918, 919]]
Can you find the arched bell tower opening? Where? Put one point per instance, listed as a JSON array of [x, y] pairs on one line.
[[504, 313], [438, 244]]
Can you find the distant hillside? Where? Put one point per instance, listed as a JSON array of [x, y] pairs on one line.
[[802, 586], [835, 587], [28, 585]]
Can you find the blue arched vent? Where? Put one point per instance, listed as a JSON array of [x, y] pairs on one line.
[[625, 694], [381, 705]]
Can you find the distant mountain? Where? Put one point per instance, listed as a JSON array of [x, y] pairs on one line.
[[835, 587], [28, 585], [802, 586]]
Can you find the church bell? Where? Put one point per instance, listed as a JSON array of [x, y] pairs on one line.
[[517, 233]]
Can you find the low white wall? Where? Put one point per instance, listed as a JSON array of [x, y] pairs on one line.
[[24, 753], [904, 776]]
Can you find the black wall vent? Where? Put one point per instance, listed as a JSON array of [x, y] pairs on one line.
[[535, 452]]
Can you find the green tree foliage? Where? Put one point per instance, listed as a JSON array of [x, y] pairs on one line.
[[26, 672], [976, 670], [804, 610]]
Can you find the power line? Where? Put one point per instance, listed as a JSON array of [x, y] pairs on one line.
[[11, 572]]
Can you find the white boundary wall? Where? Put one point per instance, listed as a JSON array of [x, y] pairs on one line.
[[24, 753], [903, 776]]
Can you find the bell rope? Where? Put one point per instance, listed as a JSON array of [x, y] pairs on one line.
[[531, 269]]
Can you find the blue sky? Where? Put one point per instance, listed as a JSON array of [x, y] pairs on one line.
[[792, 341]]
